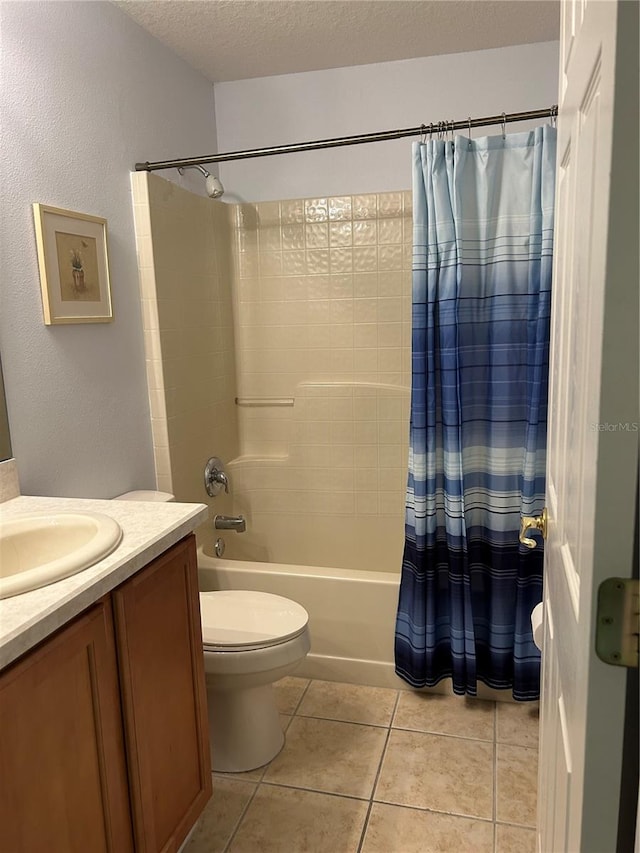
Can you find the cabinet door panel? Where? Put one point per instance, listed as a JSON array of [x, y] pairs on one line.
[[164, 699], [63, 782]]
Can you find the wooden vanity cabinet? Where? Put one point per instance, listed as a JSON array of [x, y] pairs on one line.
[[159, 640], [103, 726], [63, 779]]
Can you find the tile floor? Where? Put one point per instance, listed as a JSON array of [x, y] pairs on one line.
[[371, 770]]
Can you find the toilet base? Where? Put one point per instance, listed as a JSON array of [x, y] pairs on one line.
[[244, 726]]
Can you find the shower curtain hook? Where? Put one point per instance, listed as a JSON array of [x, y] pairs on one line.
[[504, 125], [469, 131], [430, 131], [553, 117], [423, 134]]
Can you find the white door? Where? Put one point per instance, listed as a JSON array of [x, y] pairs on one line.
[[592, 440]]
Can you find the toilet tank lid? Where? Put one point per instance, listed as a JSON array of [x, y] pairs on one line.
[[243, 618], [145, 495]]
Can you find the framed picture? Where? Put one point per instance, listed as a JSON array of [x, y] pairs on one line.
[[74, 267]]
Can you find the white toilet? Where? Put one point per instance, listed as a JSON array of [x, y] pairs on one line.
[[250, 640]]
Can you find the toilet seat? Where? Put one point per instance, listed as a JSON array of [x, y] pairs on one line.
[[250, 639], [243, 620]]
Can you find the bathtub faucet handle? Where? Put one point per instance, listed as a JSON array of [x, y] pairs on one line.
[[221, 477], [214, 477]]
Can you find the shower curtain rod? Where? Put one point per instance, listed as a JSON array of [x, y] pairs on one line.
[[439, 127]]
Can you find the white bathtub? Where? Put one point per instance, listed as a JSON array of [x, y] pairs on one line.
[[352, 618], [351, 614]]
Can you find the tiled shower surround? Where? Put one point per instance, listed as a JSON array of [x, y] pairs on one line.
[[320, 364], [184, 258]]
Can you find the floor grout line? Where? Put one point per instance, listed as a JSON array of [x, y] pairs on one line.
[[377, 776], [302, 695], [314, 791], [373, 801], [436, 811], [462, 815], [339, 720], [443, 734], [346, 722], [241, 818], [494, 775], [396, 728], [516, 825], [495, 770]]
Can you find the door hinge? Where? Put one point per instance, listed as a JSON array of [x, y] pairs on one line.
[[618, 622]]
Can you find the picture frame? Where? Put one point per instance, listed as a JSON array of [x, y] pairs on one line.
[[74, 266]]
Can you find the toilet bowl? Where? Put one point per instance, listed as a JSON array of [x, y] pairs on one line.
[[250, 639]]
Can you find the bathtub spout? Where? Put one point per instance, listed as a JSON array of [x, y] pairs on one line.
[[230, 522]]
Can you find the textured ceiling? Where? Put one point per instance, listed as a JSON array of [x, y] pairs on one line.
[[237, 39]]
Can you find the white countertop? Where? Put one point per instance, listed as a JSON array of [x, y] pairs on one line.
[[148, 529]]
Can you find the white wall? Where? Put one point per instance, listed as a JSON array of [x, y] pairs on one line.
[[85, 94], [365, 99]]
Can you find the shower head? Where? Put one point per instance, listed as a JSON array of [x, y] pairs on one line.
[[213, 185]]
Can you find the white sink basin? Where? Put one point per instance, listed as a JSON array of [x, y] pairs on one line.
[[36, 550]]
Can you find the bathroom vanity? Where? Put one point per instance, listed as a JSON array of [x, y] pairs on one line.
[[102, 697]]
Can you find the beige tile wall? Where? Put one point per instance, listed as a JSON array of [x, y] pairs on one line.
[[323, 319], [302, 307], [324, 291], [184, 247], [335, 497]]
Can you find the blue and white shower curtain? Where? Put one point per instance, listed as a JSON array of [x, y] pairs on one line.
[[483, 242]]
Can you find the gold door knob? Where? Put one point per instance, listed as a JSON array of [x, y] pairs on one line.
[[539, 522]]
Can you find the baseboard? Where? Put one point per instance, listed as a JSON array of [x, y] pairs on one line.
[[374, 673]]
